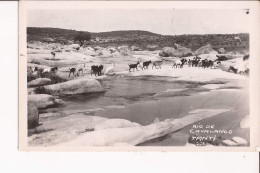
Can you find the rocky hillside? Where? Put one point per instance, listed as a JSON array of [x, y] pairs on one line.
[[230, 42]]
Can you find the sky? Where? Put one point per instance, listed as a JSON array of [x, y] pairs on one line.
[[160, 21]]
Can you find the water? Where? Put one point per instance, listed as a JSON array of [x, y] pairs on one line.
[[142, 99]]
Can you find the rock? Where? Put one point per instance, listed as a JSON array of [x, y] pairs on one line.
[[124, 50], [167, 51], [105, 53], [221, 50], [207, 49], [115, 123], [98, 48], [39, 82], [75, 46], [229, 143], [245, 123], [139, 134], [157, 120], [42, 100], [153, 47], [240, 141], [115, 54], [77, 86], [89, 52], [32, 115], [181, 51], [90, 48], [135, 48]]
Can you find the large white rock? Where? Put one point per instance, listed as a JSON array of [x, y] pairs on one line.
[[77, 86], [42, 100], [139, 134], [39, 82], [167, 52]]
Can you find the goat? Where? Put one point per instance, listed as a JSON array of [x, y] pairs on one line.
[[177, 63], [216, 64], [157, 64], [50, 70], [133, 66], [96, 70], [233, 69], [53, 54], [146, 64], [206, 63], [73, 70]]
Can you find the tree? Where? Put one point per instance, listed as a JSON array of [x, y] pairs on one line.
[[82, 37]]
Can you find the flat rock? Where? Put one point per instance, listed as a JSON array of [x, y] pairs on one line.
[[39, 82], [77, 86], [229, 143], [42, 100]]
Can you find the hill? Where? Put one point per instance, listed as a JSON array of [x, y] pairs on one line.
[[142, 38]]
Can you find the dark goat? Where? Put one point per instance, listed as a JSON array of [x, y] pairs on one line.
[[246, 57], [206, 63], [183, 61], [233, 69], [157, 64], [146, 64], [96, 70], [73, 70], [53, 54], [195, 62], [133, 66]]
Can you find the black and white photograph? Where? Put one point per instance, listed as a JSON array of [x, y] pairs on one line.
[[136, 77]]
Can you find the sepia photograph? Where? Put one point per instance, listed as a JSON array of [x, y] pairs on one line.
[[135, 77]]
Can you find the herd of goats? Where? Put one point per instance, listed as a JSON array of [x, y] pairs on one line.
[[98, 69]]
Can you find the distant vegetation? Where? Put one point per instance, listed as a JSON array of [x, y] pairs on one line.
[[140, 38]]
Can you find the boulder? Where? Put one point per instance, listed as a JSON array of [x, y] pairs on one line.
[[124, 50], [32, 115], [42, 100], [181, 51], [207, 49], [221, 50], [104, 53], [115, 123], [167, 52], [39, 82], [240, 141], [77, 86], [153, 47], [139, 134], [90, 48], [98, 48], [135, 48]]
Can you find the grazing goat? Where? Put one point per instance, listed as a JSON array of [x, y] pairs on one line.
[[133, 66], [97, 70], [146, 64], [73, 70], [50, 70], [157, 64]]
